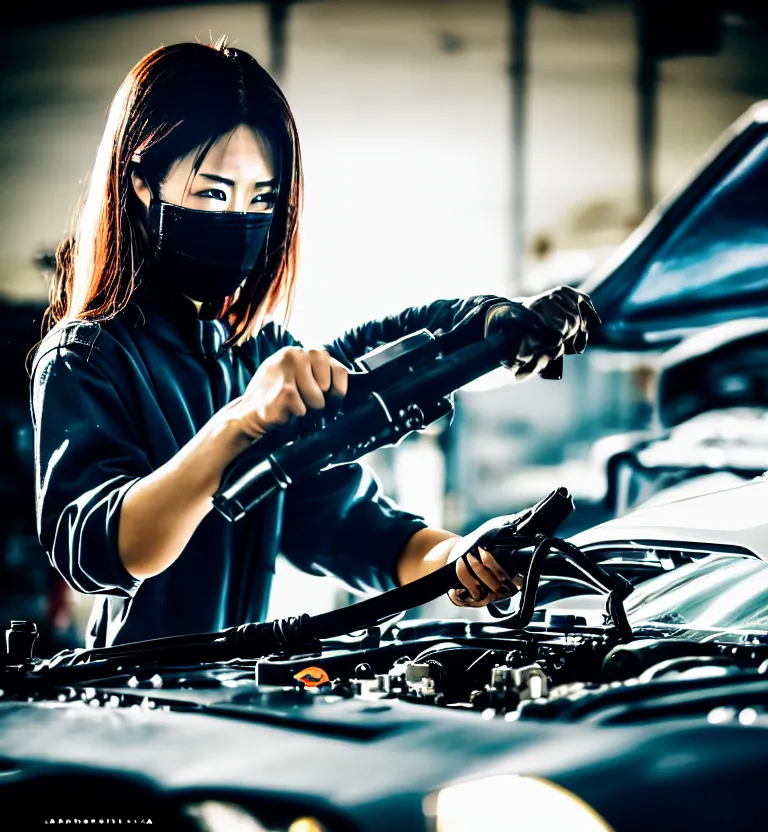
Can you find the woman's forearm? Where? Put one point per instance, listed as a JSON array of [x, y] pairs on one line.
[[424, 552], [160, 513]]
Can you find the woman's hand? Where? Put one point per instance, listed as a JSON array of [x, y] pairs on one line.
[[566, 314], [287, 384], [483, 579]]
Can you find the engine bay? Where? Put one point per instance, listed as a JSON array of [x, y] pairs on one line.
[[401, 710], [550, 670], [542, 672]]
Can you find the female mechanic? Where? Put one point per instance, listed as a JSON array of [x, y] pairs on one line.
[[161, 365]]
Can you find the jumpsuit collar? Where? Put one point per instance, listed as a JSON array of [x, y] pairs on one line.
[[173, 318]]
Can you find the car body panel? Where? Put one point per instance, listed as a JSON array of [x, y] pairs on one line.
[[734, 517], [381, 782]]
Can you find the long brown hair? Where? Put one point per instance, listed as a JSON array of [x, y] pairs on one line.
[[177, 100]]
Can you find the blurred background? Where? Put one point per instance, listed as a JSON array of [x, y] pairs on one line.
[[452, 148]]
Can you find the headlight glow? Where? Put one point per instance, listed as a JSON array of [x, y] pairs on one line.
[[531, 804], [217, 816], [306, 825]]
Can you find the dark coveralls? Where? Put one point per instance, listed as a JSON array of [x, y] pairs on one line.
[[113, 401]]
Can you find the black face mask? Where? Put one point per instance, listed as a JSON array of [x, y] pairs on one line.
[[205, 255]]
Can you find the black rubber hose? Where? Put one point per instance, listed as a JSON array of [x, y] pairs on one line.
[[304, 633]]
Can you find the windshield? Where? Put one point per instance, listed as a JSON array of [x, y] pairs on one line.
[[720, 250], [720, 592]]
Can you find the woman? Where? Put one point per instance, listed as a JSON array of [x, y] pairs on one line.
[[161, 367]]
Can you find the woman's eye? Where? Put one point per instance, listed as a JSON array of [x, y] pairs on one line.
[[267, 199], [213, 193]]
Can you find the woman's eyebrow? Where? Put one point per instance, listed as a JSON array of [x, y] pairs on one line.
[[214, 178], [224, 181]]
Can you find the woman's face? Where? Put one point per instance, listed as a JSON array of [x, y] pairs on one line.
[[237, 174]]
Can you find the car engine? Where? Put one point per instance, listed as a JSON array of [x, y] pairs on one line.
[[552, 669]]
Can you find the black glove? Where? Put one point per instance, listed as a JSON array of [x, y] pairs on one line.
[[566, 317]]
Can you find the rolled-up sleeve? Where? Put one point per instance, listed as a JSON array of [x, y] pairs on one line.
[[339, 523], [88, 455]]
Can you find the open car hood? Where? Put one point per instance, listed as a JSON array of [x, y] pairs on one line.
[[701, 257], [733, 518]]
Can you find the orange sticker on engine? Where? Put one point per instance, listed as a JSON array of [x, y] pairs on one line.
[[312, 677]]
